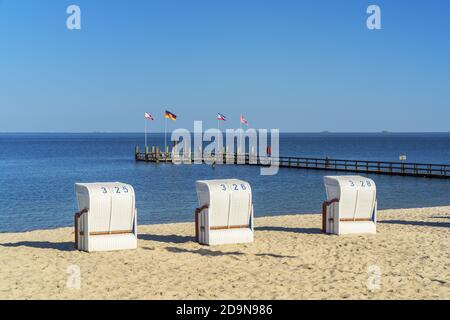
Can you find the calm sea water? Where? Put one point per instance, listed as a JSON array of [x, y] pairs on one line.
[[38, 172]]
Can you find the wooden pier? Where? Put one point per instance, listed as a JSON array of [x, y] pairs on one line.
[[441, 171]]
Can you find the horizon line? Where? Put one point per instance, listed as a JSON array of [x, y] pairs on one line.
[[162, 132]]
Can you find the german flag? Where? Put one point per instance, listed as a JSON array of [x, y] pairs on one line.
[[170, 115]]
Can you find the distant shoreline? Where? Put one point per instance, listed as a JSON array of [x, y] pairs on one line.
[[282, 132]]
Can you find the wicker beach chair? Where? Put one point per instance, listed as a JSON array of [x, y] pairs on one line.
[[225, 215], [107, 219], [351, 205]]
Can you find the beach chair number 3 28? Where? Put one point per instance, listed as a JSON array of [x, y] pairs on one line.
[[235, 187], [119, 190], [363, 183]]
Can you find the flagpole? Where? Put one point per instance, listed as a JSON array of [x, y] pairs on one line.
[[218, 129], [165, 134], [145, 130], [240, 134]]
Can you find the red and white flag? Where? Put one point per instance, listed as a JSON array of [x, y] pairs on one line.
[[243, 120], [148, 116]]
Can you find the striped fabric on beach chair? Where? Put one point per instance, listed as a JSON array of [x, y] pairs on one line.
[[225, 215], [107, 219], [351, 206]]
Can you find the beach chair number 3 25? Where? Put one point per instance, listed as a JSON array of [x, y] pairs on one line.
[[119, 190], [235, 187], [363, 183]]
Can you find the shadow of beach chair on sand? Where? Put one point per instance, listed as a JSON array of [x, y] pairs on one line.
[[418, 223], [216, 253], [170, 238], [293, 230], [62, 246], [440, 217], [204, 252]]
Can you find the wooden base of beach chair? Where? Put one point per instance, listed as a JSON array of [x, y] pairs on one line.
[[245, 226], [351, 219], [103, 233]]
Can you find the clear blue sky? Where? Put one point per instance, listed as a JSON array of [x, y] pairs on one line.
[[294, 65]]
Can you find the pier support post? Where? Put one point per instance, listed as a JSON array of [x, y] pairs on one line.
[[146, 153], [157, 154], [153, 153], [136, 152]]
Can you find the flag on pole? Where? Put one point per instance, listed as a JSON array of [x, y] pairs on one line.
[[171, 116], [243, 120], [221, 117], [148, 116]]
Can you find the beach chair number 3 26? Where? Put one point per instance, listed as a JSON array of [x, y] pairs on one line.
[[235, 187]]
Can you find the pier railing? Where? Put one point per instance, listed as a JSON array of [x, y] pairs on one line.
[[339, 165], [369, 166]]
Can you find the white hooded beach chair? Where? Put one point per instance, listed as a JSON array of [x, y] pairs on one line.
[[107, 217], [225, 215], [351, 205]]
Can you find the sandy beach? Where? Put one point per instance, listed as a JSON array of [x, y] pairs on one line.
[[290, 259]]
